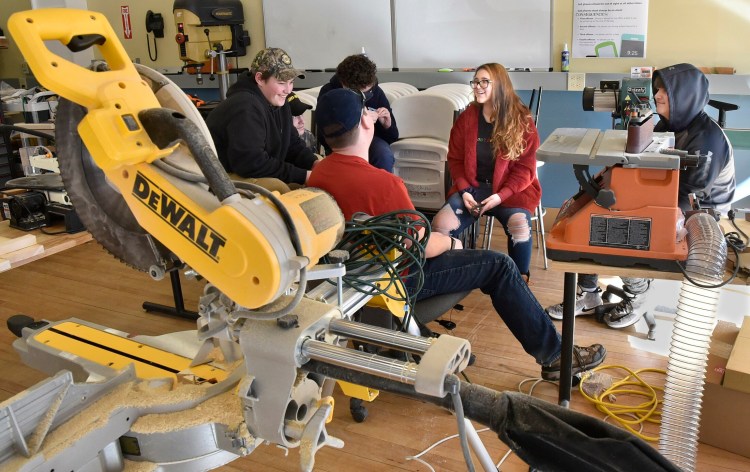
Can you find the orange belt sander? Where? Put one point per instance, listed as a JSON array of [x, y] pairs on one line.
[[625, 215]]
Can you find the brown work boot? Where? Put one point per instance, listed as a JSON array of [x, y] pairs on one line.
[[584, 358]]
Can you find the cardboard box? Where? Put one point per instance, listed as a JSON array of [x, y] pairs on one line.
[[722, 340], [725, 419], [737, 375], [725, 413]]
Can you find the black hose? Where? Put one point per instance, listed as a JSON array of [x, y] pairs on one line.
[[165, 126]]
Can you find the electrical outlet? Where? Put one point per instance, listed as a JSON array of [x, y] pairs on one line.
[[576, 81]]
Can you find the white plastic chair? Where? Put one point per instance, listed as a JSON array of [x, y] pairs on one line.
[[462, 92], [398, 89], [424, 121], [424, 115], [313, 91]]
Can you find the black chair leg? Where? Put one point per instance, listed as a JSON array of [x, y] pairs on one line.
[[179, 304]]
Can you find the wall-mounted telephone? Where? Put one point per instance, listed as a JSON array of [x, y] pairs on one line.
[[155, 23]]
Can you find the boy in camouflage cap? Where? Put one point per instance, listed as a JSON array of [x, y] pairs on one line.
[[276, 62], [253, 131]]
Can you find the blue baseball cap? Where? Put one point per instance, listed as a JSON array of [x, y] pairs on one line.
[[339, 111]]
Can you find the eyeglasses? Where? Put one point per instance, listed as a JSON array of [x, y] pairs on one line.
[[483, 83]]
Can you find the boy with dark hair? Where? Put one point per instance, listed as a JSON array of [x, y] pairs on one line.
[[358, 72]]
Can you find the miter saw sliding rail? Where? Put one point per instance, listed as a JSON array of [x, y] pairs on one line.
[[152, 378]]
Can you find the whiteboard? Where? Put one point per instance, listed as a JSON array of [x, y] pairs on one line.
[[467, 33], [428, 34], [320, 34]]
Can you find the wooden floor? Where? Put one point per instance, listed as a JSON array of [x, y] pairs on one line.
[[87, 283]]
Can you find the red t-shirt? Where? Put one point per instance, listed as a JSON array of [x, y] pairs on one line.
[[359, 187]]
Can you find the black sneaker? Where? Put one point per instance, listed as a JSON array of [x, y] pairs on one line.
[[584, 358]]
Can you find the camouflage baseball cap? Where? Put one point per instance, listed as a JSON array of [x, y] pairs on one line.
[[278, 62]]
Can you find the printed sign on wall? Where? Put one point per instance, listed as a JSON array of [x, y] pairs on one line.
[[604, 28]]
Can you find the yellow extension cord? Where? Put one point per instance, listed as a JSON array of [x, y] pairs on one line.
[[629, 416]]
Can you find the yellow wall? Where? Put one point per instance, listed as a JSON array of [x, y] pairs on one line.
[[707, 33], [168, 53], [11, 59]]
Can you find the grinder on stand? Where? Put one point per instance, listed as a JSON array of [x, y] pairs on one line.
[[207, 33]]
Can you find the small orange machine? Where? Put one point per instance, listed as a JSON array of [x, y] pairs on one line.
[[625, 215]]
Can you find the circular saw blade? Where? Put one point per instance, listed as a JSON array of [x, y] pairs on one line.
[[99, 205]]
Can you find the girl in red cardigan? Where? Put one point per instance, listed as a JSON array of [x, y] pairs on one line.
[[492, 160]]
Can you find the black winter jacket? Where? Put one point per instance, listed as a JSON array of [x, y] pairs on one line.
[[256, 139], [378, 100], [713, 180]]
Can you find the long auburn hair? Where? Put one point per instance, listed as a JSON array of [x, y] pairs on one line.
[[511, 114]]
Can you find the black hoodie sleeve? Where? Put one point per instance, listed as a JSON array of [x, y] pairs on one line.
[[704, 137], [299, 154], [323, 90], [379, 100], [247, 147]]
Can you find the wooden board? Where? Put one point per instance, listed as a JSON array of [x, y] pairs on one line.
[[16, 243], [23, 247]]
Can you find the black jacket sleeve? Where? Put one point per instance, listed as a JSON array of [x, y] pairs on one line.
[[321, 139], [248, 143], [379, 100], [705, 138], [299, 154]]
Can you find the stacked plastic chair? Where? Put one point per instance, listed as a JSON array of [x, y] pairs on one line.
[[395, 90], [460, 93], [313, 91], [424, 121]]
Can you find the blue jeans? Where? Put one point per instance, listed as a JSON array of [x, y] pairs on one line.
[[381, 155], [495, 274], [519, 251]]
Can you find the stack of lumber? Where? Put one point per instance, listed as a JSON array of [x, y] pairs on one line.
[[17, 249]]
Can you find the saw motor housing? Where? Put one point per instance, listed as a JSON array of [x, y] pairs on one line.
[[622, 99]]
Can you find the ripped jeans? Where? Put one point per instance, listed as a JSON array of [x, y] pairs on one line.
[[454, 217]]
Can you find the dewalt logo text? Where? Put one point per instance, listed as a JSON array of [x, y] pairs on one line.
[[180, 218]]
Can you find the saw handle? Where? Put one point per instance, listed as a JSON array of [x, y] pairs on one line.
[[77, 30], [603, 197], [82, 42]]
